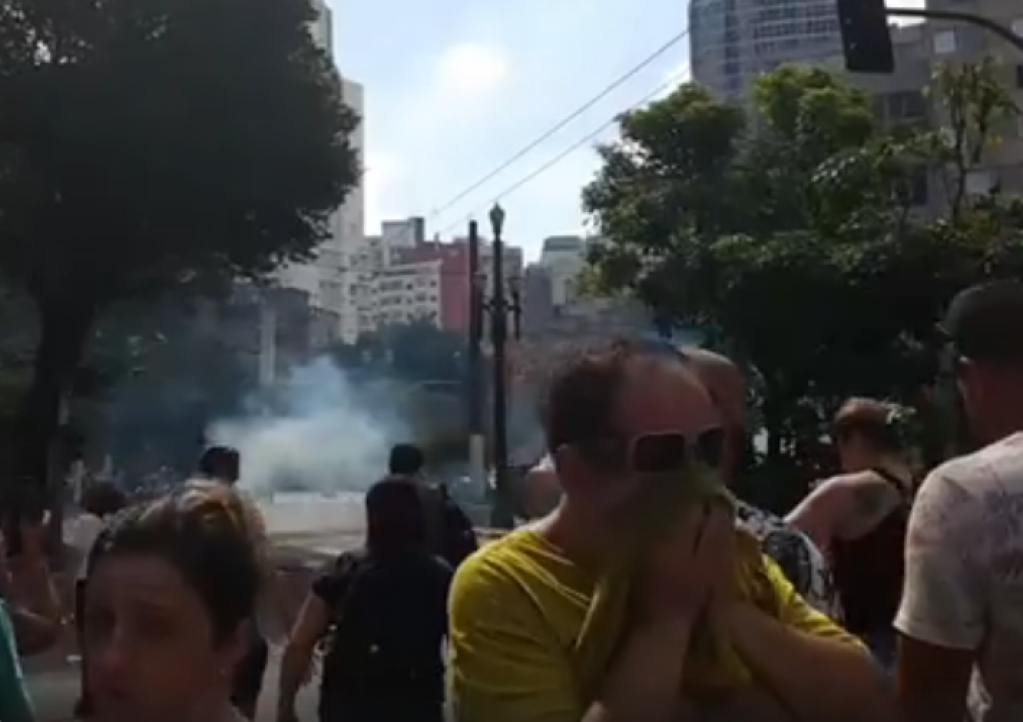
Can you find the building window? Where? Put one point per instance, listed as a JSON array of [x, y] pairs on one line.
[[945, 42], [1019, 77], [1017, 26]]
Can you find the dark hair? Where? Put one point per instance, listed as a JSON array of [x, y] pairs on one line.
[[211, 535], [406, 459], [103, 498], [985, 322], [582, 393], [872, 420], [397, 518], [222, 462]]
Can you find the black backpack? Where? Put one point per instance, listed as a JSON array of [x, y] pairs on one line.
[[378, 645], [457, 535]]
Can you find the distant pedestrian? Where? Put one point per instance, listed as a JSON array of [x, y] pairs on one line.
[[220, 463], [451, 531], [383, 612]]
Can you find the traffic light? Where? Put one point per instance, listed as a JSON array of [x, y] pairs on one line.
[[866, 40]]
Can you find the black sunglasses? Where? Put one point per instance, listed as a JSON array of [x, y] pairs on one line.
[[672, 451]]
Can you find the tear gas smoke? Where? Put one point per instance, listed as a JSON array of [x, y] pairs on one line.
[[316, 431]]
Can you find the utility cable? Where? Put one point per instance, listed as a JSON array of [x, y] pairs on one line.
[[610, 88], [585, 140]]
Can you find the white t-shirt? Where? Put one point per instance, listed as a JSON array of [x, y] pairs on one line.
[[964, 572], [80, 534]]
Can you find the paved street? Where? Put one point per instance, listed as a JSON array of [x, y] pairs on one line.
[[54, 694]]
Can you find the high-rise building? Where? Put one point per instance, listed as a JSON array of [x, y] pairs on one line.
[[322, 28], [732, 42], [564, 258], [403, 277], [953, 42], [330, 277], [902, 98], [341, 270], [537, 300], [350, 228]]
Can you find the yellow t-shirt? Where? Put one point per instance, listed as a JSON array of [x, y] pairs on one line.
[[516, 608]]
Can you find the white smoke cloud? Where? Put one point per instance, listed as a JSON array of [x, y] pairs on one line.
[[318, 431]]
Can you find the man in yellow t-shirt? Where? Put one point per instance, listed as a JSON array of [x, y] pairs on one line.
[[614, 418]]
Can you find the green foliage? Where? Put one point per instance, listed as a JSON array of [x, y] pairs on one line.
[[161, 373], [426, 365], [146, 142], [416, 353], [147, 145], [793, 240]]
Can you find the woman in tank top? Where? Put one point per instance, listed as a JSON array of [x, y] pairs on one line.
[[859, 517]]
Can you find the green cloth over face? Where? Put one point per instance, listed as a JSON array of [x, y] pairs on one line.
[[712, 665]]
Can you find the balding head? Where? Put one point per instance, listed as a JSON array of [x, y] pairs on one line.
[[601, 401], [724, 383]]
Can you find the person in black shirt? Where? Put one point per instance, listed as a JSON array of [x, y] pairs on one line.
[[451, 532], [220, 463], [383, 612]]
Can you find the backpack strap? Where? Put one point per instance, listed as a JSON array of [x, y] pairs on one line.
[[350, 567]]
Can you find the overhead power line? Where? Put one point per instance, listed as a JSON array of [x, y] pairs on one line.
[[580, 143], [564, 122]]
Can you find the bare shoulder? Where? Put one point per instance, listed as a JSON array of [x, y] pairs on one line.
[[862, 490], [866, 500]]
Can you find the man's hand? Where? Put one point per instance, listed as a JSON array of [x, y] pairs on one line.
[[686, 568]]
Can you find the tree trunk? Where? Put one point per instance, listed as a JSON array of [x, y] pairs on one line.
[[63, 331]]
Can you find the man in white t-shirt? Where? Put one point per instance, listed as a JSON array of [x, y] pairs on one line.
[[961, 618]]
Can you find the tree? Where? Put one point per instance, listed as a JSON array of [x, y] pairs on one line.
[[796, 247], [417, 352], [732, 227], [145, 144], [164, 373]]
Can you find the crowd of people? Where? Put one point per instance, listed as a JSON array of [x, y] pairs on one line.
[[642, 590]]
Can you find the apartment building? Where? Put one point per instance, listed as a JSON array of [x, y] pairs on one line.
[[733, 42], [902, 98]]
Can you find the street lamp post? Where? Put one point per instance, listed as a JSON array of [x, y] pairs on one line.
[[501, 516], [497, 307], [477, 439]]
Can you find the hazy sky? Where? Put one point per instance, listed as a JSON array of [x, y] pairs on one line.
[[454, 88]]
